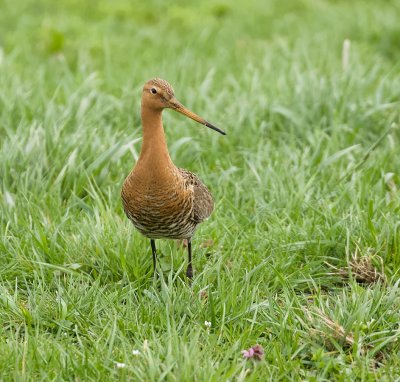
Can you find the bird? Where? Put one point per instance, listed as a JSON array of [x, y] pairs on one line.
[[162, 200]]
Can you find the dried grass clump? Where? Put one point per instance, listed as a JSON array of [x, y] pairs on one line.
[[326, 328], [331, 332], [362, 268]]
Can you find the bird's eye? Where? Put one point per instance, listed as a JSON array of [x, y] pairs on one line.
[[153, 90]]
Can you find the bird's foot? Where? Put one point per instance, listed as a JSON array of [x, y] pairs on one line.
[[189, 272]]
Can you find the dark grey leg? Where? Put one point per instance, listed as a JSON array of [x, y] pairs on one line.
[[189, 270], [154, 251]]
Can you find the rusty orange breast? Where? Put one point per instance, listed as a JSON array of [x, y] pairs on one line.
[[159, 204]]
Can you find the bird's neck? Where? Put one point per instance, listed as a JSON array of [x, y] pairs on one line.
[[154, 146]]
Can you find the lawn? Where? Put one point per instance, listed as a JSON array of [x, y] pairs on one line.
[[302, 253]]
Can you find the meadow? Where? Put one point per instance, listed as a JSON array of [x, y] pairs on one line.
[[302, 252]]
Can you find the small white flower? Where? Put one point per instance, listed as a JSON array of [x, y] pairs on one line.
[[135, 352], [120, 365], [207, 324]]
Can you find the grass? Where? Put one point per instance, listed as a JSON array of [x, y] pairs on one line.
[[306, 183]]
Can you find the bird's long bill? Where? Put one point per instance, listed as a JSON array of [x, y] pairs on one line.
[[176, 105]]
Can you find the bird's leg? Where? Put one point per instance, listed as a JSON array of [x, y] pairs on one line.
[[154, 251], [189, 270]]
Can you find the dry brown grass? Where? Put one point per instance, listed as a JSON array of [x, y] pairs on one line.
[[326, 328], [363, 268], [329, 332]]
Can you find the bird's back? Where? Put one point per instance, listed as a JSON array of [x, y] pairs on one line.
[[203, 200]]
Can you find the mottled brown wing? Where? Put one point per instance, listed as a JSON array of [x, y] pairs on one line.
[[203, 200]]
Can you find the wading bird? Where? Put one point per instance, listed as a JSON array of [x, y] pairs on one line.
[[162, 200]]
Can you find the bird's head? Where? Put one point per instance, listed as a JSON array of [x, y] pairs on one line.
[[159, 94]]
